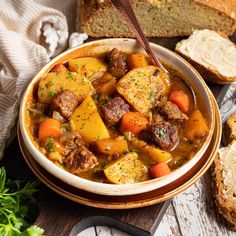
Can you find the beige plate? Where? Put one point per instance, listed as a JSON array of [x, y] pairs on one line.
[[131, 201]]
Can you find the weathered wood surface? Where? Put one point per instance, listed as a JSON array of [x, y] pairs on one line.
[[192, 213], [196, 211]]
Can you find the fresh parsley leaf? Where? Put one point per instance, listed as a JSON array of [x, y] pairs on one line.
[[2, 179], [32, 231], [16, 202]]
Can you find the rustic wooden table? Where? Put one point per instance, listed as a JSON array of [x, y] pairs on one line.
[[190, 213]]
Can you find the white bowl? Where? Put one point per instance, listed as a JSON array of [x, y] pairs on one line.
[[128, 45]]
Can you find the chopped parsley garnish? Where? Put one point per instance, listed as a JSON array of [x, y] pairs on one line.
[[85, 81], [161, 133], [152, 96], [70, 75], [52, 93], [49, 147], [127, 135], [49, 84], [50, 140], [95, 97]]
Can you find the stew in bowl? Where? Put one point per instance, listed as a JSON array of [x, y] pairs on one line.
[[116, 118]]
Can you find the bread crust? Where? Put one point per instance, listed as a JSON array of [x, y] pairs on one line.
[[225, 204], [89, 9], [208, 74], [225, 207], [229, 135]]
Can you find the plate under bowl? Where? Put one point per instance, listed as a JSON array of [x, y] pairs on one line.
[[130, 201]]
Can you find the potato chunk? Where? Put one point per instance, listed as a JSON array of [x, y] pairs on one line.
[[59, 81], [87, 66], [156, 154], [127, 170], [142, 87], [88, 122]]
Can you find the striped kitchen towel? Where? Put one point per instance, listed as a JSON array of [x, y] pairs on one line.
[[30, 33]]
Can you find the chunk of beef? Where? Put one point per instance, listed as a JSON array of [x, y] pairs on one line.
[[113, 111], [65, 103], [164, 135], [171, 111], [72, 140], [156, 118], [117, 63], [59, 68], [79, 159]]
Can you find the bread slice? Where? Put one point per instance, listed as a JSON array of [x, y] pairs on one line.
[[230, 130], [225, 178], [99, 18], [211, 54]]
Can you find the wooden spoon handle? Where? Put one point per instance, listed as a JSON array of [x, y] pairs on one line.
[[125, 8]]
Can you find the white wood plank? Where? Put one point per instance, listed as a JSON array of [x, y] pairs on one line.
[[108, 231], [88, 232], [196, 211], [168, 225]]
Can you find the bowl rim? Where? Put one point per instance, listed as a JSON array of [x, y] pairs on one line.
[[106, 188]]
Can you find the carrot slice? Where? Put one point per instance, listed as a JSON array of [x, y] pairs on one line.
[[160, 170], [181, 99], [134, 122], [112, 146], [49, 128], [137, 60]]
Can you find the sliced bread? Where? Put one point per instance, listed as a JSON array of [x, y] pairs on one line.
[[211, 54], [225, 179], [166, 18], [230, 130]]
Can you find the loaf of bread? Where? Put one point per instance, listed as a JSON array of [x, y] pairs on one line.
[[213, 55], [166, 18], [225, 178]]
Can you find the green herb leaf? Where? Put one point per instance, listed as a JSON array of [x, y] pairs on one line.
[[2, 178], [32, 231], [152, 96], [16, 204], [52, 93], [85, 80]]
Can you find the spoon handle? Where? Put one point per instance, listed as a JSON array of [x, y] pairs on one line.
[[125, 9]]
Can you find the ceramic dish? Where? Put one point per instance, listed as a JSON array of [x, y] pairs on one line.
[[131, 201], [127, 45]]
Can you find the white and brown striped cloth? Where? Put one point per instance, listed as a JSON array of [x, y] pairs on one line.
[[31, 31]]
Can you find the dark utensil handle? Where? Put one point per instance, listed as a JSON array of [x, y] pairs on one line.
[[125, 8]]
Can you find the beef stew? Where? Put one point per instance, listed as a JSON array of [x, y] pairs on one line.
[[116, 118]]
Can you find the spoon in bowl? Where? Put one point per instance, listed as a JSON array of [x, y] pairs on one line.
[[126, 11]]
